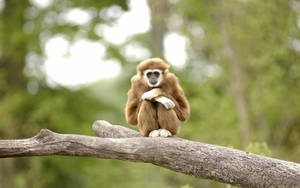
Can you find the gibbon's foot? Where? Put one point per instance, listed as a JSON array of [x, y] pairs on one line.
[[154, 133], [164, 133], [160, 133]]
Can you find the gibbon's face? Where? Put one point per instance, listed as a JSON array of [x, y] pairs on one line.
[[153, 77]]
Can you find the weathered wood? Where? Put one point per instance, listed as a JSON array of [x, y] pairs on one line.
[[194, 158], [106, 130]]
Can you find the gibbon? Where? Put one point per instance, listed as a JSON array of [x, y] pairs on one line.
[[156, 102]]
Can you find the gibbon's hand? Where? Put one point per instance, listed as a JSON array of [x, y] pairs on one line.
[[168, 103], [149, 95]]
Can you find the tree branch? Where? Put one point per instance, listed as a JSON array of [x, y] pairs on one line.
[[194, 158], [106, 130]]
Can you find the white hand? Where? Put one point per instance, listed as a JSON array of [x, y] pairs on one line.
[[149, 95], [168, 103]]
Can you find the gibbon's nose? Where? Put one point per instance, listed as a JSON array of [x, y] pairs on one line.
[[152, 81]]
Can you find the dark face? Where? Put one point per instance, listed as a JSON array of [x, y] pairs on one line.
[[153, 77]]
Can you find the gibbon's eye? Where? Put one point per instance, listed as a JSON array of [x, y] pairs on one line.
[[148, 74], [156, 73]]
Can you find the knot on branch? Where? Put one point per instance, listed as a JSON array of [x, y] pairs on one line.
[[45, 135]]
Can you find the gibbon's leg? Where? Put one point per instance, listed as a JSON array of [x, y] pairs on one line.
[[167, 119], [147, 118]]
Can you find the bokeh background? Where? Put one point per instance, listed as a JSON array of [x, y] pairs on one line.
[[66, 63]]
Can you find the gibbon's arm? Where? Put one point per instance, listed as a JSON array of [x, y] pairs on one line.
[[166, 102], [132, 106], [152, 94], [176, 94], [182, 107]]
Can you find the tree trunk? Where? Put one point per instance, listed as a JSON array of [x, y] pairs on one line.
[[225, 18], [7, 172], [13, 53], [193, 158], [159, 13], [238, 90]]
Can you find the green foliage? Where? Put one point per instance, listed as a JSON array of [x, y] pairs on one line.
[[259, 148], [261, 35], [230, 186], [186, 186]]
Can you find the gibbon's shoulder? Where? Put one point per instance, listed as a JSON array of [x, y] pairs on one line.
[[171, 77], [137, 81], [135, 78]]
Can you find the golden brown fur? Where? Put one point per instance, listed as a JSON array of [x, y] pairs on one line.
[[151, 115], [154, 63]]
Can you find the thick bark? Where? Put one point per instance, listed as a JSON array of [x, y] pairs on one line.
[[194, 158]]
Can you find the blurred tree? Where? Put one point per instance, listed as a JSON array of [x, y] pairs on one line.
[[251, 44], [242, 78], [22, 25], [236, 73], [159, 15]]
